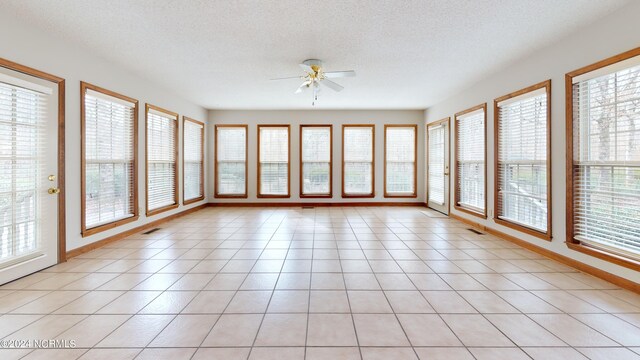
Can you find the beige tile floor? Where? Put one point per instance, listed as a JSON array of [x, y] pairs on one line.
[[326, 283]]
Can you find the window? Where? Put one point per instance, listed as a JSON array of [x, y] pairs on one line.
[[273, 160], [400, 143], [358, 160], [316, 155], [193, 160], [471, 158], [162, 177], [109, 147], [522, 169], [231, 161], [604, 171]]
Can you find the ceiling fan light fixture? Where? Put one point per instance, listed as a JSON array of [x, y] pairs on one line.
[[315, 75]]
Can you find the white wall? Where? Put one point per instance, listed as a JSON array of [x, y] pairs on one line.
[[335, 117], [609, 36], [40, 50]]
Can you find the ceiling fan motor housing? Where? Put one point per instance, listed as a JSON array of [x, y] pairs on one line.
[[316, 65], [312, 62]]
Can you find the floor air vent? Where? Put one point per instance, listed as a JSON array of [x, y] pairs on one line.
[[475, 231], [151, 231]]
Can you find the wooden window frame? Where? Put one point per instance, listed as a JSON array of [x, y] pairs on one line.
[[318, 196], [571, 242], [136, 215], [60, 83], [146, 162], [288, 194], [217, 194], [447, 121], [415, 161], [496, 121], [456, 187], [202, 132], [373, 162]]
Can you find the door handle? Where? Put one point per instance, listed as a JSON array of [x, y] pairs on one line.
[[446, 173], [53, 191]]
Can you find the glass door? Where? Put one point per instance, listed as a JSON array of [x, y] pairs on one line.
[[28, 180], [438, 166]]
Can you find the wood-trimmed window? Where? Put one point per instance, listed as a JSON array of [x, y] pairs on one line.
[[470, 185], [161, 159], [603, 166], [192, 160], [274, 161], [231, 161], [400, 160], [358, 161], [522, 172], [316, 160], [109, 147]]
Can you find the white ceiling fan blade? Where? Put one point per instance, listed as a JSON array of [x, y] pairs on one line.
[[331, 85], [307, 68], [302, 87], [286, 78], [339, 74]]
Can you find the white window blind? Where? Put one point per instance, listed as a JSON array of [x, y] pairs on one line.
[[606, 133], [193, 138], [274, 160], [109, 124], [522, 160], [22, 132], [470, 166], [316, 160], [436, 163], [231, 143], [400, 160], [358, 160], [161, 159]]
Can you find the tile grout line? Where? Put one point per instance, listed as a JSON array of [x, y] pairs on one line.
[[385, 294], [313, 241], [264, 315], [353, 321]]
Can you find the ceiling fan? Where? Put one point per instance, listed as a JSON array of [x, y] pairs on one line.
[[314, 76]]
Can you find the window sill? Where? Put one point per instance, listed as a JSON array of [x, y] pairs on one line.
[[109, 226], [230, 196], [261, 196], [316, 196], [400, 195], [161, 210], [191, 201], [539, 234], [604, 255], [358, 196], [470, 212]]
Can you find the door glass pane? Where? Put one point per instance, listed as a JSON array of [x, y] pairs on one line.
[[22, 124], [436, 164]]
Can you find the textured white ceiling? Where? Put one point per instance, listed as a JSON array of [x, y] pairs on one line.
[[408, 54]]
